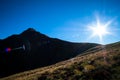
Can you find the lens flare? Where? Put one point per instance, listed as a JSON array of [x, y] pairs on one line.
[[8, 49]]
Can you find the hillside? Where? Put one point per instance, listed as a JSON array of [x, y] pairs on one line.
[[98, 63], [32, 49]]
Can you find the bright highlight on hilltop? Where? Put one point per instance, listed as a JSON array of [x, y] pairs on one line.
[[99, 29]]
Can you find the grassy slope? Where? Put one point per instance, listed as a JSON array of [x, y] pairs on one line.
[[101, 63]]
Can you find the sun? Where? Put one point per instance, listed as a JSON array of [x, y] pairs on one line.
[[99, 29]]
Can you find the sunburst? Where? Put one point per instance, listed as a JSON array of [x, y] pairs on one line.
[[99, 29]]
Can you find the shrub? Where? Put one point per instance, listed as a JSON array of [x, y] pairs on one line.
[[77, 72], [89, 68]]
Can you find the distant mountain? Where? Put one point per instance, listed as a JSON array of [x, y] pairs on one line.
[[98, 63], [31, 49]]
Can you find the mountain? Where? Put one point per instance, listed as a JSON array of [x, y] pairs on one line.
[[31, 49], [98, 63]]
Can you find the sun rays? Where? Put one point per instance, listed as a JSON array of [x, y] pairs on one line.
[[99, 29]]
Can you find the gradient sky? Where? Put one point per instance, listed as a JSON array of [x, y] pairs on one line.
[[63, 19]]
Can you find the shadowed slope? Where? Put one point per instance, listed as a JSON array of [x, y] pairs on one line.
[[103, 64], [90, 66]]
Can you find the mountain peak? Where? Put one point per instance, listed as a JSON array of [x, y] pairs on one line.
[[34, 36], [31, 29], [30, 32]]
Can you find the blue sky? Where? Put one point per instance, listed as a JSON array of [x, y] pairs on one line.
[[63, 19]]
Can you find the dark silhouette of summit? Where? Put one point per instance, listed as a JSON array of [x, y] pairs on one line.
[[31, 49]]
